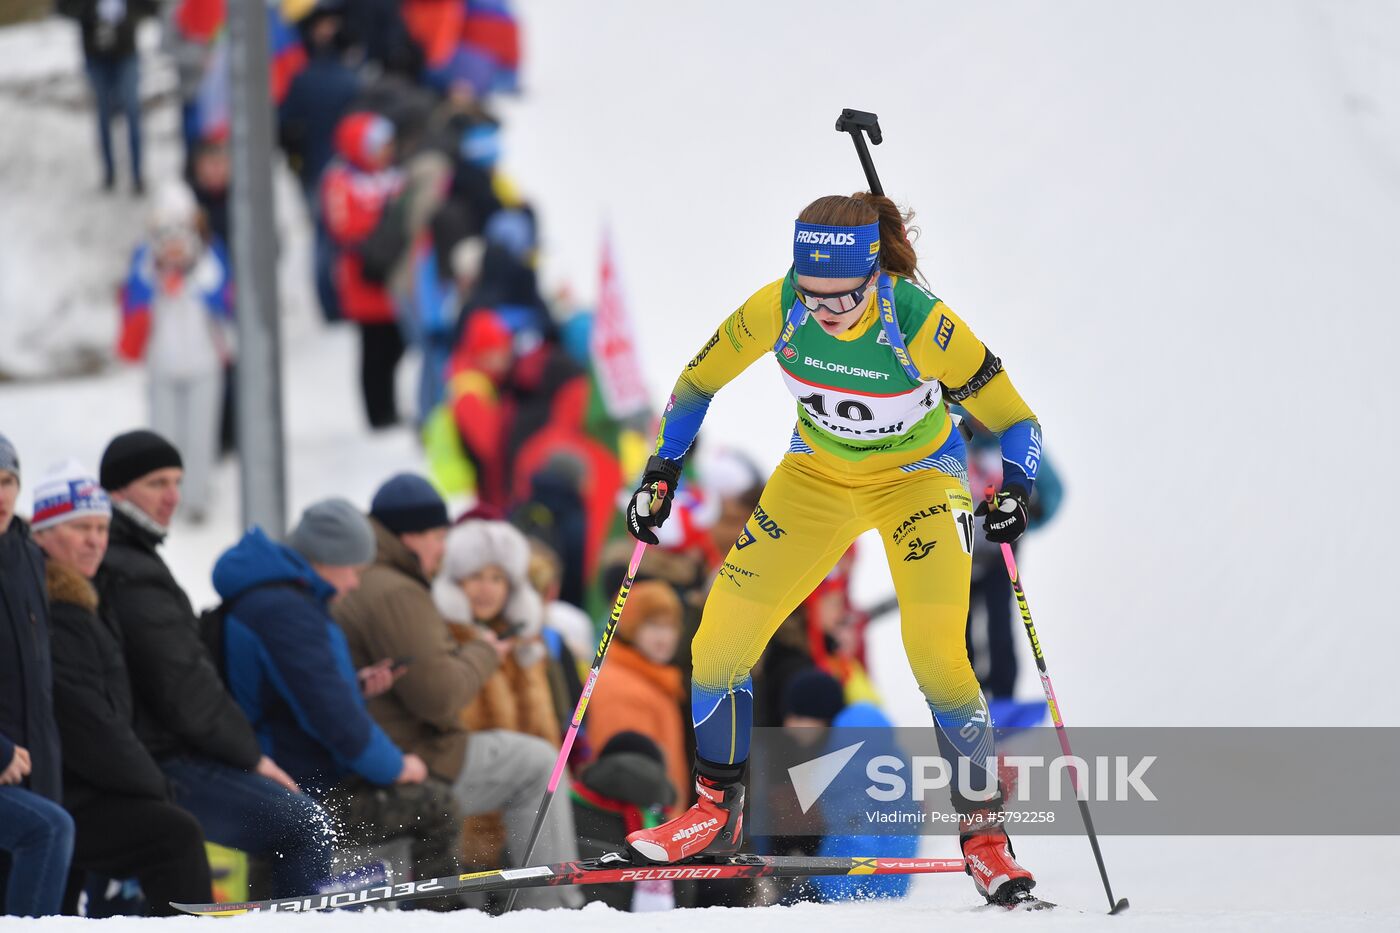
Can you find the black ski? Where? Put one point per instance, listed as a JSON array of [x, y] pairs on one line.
[[609, 869]]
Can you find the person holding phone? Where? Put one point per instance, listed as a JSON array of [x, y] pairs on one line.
[[399, 638], [290, 669]]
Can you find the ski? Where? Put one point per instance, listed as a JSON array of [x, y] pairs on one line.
[[615, 867]]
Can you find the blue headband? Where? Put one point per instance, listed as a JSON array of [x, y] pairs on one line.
[[836, 252]]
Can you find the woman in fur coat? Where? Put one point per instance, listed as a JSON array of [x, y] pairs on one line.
[[483, 586]]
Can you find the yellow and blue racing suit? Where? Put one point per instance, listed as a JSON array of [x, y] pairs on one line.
[[873, 448]]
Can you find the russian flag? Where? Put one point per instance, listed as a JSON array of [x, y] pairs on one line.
[[287, 54]]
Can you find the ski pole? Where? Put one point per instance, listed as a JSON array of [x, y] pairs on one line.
[[855, 122], [1049, 688], [569, 737]]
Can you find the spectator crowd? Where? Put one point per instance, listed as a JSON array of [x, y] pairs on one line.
[[382, 673]]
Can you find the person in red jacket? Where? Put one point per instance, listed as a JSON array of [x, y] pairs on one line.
[[355, 192], [477, 373]]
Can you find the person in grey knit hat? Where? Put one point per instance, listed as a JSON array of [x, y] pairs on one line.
[[290, 668], [9, 482], [9, 457], [37, 833], [337, 540]]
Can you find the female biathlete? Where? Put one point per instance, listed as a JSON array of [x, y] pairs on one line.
[[870, 356]]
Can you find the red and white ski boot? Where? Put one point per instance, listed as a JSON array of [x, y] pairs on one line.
[[714, 825], [993, 868]]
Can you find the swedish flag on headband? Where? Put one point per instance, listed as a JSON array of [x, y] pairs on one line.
[[831, 252]]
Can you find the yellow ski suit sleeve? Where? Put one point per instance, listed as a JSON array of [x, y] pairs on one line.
[[743, 337], [997, 404]]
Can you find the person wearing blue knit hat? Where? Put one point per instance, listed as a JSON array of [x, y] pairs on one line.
[[397, 637], [415, 515], [393, 618], [408, 503]]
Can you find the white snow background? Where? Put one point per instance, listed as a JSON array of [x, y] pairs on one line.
[[1177, 223]]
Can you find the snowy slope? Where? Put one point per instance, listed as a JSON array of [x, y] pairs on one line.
[[1176, 223], [66, 243]]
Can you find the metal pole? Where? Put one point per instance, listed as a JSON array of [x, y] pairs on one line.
[[259, 383]]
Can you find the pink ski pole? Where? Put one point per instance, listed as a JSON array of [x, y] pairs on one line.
[[569, 737], [1049, 688]]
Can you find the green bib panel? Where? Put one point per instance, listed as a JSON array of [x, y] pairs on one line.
[[853, 396]]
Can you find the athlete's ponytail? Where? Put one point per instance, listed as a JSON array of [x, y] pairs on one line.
[[896, 252]]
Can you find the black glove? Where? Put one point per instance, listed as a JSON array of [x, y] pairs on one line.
[[1006, 517], [651, 503]]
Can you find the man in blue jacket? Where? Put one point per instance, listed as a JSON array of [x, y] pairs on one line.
[[289, 668]]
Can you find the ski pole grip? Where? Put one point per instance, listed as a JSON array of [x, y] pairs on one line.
[[859, 123]]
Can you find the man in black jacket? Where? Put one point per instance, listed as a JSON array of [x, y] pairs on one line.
[[184, 715], [115, 791], [35, 831]]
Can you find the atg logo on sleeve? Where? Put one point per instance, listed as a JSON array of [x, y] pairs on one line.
[[945, 332]]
